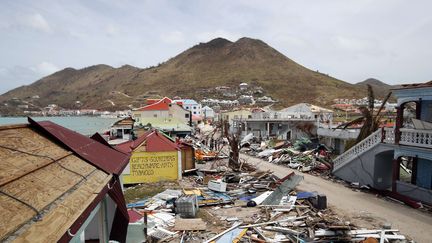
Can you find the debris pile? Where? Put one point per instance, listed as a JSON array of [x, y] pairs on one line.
[[303, 155], [245, 206]]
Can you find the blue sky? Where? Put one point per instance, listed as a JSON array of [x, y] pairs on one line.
[[350, 40]]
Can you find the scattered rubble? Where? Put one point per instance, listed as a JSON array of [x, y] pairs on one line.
[[246, 206], [303, 155]]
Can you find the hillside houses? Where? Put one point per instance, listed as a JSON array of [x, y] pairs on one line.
[[166, 115], [190, 105], [208, 113]]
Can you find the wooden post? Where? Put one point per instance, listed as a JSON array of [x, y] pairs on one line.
[[145, 225]]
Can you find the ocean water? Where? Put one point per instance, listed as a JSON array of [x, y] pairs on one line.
[[85, 125]]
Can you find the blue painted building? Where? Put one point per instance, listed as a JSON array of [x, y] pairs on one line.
[[414, 141], [396, 160]]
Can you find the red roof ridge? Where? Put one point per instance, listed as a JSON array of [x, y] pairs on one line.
[[159, 105], [129, 146], [103, 157]]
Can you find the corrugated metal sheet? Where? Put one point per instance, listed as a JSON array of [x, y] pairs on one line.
[[99, 155], [154, 142]]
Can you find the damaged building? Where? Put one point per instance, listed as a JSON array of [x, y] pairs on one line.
[[291, 123], [397, 160], [59, 186]]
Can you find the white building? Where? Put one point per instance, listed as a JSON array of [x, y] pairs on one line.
[[191, 105], [243, 86], [208, 113]]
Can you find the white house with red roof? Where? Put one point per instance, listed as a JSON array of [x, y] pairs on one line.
[[163, 109]]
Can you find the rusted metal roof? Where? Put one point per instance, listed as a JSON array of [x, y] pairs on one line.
[[97, 137], [153, 140], [94, 152], [414, 86]]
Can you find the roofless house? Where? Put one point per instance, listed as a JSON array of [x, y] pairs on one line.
[[59, 186]]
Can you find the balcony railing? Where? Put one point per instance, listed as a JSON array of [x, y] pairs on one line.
[[410, 137], [358, 149], [389, 135], [415, 137]]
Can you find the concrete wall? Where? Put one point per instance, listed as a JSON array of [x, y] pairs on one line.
[[137, 115], [208, 112], [414, 192], [426, 111], [372, 168], [424, 173], [238, 114], [280, 132], [178, 112], [383, 170]]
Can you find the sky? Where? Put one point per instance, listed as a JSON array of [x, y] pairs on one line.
[[351, 40]]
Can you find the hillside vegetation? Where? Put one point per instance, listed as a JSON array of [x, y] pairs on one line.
[[204, 66]]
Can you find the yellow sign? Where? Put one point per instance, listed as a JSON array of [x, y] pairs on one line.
[[152, 167]]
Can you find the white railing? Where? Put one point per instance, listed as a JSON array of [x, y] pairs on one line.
[[411, 137], [389, 136], [358, 149], [414, 137]]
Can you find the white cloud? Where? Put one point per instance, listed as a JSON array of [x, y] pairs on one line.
[[354, 44], [45, 68], [112, 29], [38, 22], [173, 37], [351, 40]]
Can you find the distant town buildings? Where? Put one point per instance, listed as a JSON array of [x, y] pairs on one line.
[[166, 115], [190, 105], [243, 86], [351, 105], [208, 113], [291, 123]]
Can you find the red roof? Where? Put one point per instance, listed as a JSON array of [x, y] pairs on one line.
[[154, 142], [94, 152], [162, 104]]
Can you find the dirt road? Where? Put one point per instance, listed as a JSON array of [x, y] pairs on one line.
[[363, 209]]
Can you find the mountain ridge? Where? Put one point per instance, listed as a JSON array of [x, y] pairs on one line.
[[219, 62]]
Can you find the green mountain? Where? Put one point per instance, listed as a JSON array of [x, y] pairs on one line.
[[193, 73]]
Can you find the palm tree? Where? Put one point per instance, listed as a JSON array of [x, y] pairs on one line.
[[370, 120]]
